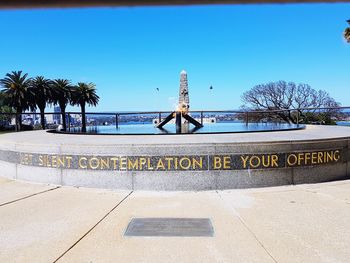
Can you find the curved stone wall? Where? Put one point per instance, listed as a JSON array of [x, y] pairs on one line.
[[178, 162]]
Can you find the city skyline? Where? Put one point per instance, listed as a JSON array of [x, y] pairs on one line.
[[135, 55]]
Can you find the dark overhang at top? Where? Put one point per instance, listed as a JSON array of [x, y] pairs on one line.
[[86, 3]]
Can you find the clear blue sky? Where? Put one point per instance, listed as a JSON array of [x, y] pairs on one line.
[[130, 52]]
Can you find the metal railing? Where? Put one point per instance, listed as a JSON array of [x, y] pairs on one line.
[[32, 120]]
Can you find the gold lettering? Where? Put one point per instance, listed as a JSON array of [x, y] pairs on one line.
[[133, 166], [30, 158], [319, 157], [60, 161], [266, 160], [307, 157], [185, 166], [257, 164], [314, 158], [336, 155], [169, 159], [292, 163], [114, 160], [81, 164], [69, 160], [41, 162], [175, 163], [274, 160], [48, 163], [329, 156], [142, 162], [217, 162], [300, 158], [94, 163], [123, 163], [244, 160], [199, 163], [54, 160], [104, 163], [149, 164], [227, 162], [160, 165]]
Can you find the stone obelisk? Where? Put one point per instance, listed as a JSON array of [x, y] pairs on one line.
[[184, 100], [182, 110]]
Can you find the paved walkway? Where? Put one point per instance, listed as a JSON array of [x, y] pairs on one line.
[[39, 138], [304, 223]]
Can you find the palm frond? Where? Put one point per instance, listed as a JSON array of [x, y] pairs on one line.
[[85, 93], [17, 89], [347, 34]]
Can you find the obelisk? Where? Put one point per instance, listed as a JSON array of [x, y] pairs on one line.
[[182, 110], [184, 100]]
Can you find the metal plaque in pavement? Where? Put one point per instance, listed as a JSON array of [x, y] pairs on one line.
[[170, 227]]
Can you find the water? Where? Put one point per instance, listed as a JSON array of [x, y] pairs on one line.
[[219, 127], [343, 123]]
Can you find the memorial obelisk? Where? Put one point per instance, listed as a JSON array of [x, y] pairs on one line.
[[184, 100], [182, 109]]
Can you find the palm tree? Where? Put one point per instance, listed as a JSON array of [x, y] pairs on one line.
[[16, 88], [82, 94], [2, 99], [347, 33], [61, 95], [41, 88]]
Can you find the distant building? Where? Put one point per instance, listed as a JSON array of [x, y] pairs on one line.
[[57, 117]]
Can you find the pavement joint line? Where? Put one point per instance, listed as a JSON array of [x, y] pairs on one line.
[[252, 233], [28, 196], [92, 228]]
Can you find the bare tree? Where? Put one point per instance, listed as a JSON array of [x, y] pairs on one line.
[[285, 96]]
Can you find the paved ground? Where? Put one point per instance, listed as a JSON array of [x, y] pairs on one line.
[[304, 223], [39, 137]]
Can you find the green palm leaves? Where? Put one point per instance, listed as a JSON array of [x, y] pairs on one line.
[[82, 94], [85, 93], [347, 33], [61, 95], [22, 93], [16, 88], [41, 89]]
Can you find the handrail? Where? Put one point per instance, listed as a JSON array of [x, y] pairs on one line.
[[191, 111], [294, 115]]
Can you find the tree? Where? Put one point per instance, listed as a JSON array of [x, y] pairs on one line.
[[61, 95], [16, 88], [347, 32], [2, 99], [281, 95], [84, 93], [41, 88], [5, 118]]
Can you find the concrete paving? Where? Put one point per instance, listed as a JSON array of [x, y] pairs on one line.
[[12, 191], [42, 138], [304, 223]]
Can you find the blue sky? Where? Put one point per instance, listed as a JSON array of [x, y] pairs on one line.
[[130, 52]]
